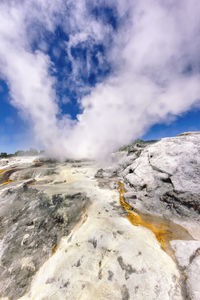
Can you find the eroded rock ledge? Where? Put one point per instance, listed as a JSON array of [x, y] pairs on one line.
[[161, 180]]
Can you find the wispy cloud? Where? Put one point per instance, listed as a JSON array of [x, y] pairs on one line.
[[154, 56]]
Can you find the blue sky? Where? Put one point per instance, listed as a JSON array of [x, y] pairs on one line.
[[189, 121], [13, 129], [69, 87], [83, 48]]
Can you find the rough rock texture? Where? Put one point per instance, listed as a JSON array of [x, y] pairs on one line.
[[32, 224], [106, 257], [103, 253], [102, 257], [188, 258], [163, 179], [193, 280]]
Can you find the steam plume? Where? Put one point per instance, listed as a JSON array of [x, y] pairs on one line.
[[155, 71]]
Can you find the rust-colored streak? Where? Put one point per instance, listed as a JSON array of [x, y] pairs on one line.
[[54, 249], [5, 175], [164, 230], [7, 182]]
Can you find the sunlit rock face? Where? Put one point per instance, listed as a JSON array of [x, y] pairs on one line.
[[164, 177], [161, 183], [78, 230]]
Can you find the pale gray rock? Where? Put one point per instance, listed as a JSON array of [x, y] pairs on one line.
[[163, 176], [185, 252], [33, 172], [163, 179], [166, 176], [101, 255], [193, 280], [32, 224], [25, 161]]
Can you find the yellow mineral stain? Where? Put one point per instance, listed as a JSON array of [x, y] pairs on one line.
[[1, 171], [7, 182], [164, 230], [54, 249]]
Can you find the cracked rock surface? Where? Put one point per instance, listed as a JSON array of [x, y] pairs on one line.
[[164, 176], [162, 179]]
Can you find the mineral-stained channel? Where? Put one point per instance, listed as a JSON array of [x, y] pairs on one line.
[[164, 230]]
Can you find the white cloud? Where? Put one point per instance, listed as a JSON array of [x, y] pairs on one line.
[[150, 58]]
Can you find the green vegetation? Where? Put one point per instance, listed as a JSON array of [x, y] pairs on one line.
[[3, 155], [138, 143], [30, 152]]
